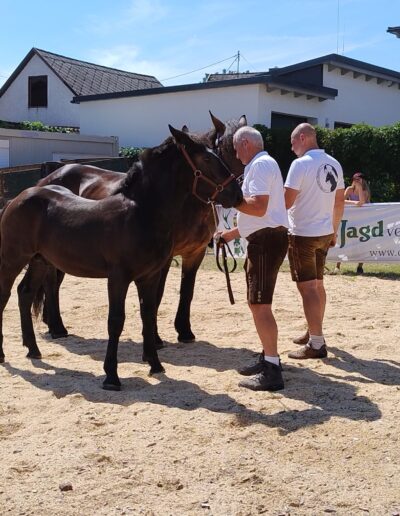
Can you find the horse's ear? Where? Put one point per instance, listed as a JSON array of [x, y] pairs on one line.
[[185, 128], [242, 121], [180, 136], [219, 126]]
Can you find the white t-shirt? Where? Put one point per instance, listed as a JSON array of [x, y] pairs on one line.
[[262, 176], [317, 176]]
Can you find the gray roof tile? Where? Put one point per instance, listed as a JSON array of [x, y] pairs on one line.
[[84, 78]]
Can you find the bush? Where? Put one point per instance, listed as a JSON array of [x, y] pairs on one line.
[[374, 151], [130, 152], [37, 126]]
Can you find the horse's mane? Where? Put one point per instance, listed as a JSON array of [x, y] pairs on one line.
[[149, 160]]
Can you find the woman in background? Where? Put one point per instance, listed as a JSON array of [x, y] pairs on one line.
[[357, 194]]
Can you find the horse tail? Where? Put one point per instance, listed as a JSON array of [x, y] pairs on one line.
[[38, 303]]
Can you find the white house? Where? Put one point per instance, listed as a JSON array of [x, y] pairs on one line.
[[330, 91], [43, 85]]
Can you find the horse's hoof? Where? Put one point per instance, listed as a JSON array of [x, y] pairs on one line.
[[156, 370], [111, 387], [187, 340], [2, 360], [59, 334], [34, 355]]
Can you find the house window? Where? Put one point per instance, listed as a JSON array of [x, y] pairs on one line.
[[342, 125], [37, 96]]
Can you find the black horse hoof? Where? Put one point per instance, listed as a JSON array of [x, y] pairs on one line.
[[111, 387], [186, 340], [156, 370], [34, 355], [58, 334], [2, 360]]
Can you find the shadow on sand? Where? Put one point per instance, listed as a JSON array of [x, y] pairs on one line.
[[326, 395]]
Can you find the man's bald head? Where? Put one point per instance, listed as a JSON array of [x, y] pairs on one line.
[[303, 139]]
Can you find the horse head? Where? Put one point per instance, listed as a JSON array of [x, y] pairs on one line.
[[221, 140], [331, 176], [212, 179]]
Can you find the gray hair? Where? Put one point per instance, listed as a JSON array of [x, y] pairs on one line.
[[250, 134]]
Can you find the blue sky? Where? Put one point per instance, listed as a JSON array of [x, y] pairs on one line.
[[172, 37]]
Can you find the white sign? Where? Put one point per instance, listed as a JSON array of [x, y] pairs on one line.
[[369, 233], [227, 220]]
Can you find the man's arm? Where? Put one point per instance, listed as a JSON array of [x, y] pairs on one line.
[[256, 206], [290, 196], [337, 213], [227, 235]]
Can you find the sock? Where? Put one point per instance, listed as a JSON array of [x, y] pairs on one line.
[[316, 341], [272, 360]]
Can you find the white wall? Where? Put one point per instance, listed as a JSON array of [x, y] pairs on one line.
[[28, 147], [360, 100], [60, 111], [143, 121]]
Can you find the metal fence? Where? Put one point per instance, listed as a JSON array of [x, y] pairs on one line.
[[14, 180]]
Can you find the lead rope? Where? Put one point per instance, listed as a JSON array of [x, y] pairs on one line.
[[222, 246]]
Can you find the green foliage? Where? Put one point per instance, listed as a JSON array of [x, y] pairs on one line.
[[374, 151], [130, 152], [37, 126]]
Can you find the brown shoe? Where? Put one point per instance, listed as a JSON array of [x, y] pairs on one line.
[[303, 339], [306, 352]]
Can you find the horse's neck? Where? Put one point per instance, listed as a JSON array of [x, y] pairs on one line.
[[164, 185]]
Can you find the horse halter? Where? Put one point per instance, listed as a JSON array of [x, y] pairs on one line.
[[198, 174]]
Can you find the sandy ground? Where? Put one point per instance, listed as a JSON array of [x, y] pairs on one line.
[[191, 441]]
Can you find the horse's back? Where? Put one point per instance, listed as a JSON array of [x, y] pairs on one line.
[[85, 180]]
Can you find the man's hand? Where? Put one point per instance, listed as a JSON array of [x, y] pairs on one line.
[[227, 235], [333, 241]]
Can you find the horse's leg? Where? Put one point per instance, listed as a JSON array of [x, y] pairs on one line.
[[8, 275], [27, 289], [117, 290], [51, 308], [160, 293], [190, 266], [147, 290]]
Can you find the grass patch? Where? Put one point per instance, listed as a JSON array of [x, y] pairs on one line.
[[389, 271], [377, 270]]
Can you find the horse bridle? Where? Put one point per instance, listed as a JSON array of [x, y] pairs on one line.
[[221, 244], [198, 175]]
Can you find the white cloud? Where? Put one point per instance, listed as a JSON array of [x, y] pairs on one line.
[[145, 10], [128, 58]]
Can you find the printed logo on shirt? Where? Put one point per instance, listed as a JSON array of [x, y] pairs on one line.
[[327, 178]]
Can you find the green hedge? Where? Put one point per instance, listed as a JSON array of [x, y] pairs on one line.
[[130, 152], [37, 126], [374, 151]]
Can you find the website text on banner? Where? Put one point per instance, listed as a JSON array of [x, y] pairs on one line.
[[369, 233]]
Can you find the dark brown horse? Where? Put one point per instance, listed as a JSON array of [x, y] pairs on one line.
[[125, 237], [192, 232]]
